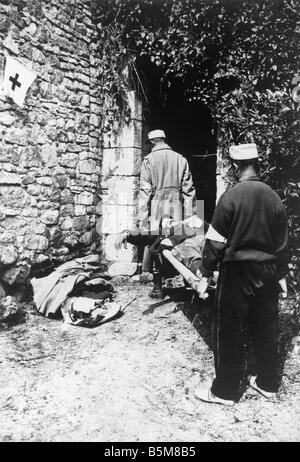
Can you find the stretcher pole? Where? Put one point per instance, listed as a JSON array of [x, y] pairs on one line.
[[180, 267], [190, 277], [187, 274]]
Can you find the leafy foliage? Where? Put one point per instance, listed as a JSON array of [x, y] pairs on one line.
[[237, 57]]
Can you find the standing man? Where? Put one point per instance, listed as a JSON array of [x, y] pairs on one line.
[[248, 238], [166, 185], [166, 192]]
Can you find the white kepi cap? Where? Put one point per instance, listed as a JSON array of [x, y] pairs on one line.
[[243, 151], [156, 134]]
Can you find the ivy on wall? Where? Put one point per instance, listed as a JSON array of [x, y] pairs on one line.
[[237, 57]]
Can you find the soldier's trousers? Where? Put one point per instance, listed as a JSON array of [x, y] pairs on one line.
[[234, 307]]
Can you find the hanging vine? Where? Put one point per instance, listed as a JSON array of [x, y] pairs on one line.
[[237, 57]]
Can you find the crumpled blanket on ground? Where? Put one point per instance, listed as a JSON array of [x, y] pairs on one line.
[[86, 312], [51, 292]]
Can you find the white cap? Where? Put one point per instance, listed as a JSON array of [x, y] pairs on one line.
[[156, 134], [243, 152]]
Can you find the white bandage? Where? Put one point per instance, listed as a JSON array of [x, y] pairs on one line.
[[213, 235]]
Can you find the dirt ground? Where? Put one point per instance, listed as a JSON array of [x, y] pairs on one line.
[[132, 379]]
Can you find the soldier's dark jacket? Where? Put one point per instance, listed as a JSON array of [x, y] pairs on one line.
[[249, 225]]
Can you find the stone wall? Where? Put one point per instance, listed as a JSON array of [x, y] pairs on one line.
[[122, 158], [50, 148]]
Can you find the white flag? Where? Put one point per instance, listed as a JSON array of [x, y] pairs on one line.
[[17, 80]]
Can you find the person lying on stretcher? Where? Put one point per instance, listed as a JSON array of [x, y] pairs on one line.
[[185, 239]]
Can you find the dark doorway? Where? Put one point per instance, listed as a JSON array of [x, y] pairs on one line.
[[188, 126]]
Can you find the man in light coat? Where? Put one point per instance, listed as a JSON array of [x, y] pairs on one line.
[[166, 192]]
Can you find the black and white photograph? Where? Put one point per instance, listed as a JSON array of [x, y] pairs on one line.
[[149, 223]]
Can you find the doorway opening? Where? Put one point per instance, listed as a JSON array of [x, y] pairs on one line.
[[189, 129]]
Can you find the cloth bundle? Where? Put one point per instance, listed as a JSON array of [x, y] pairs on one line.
[[86, 312], [76, 290]]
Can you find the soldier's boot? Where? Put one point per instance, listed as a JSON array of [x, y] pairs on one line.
[[157, 291]]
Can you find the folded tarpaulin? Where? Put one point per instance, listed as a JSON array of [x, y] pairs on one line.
[[50, 292]]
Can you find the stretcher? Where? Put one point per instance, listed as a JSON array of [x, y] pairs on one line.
[[185, 272]]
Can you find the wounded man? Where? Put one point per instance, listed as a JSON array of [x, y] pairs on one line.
[[185, 239]]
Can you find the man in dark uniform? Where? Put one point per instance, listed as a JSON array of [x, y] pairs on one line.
[[166, 192], [247, 238]]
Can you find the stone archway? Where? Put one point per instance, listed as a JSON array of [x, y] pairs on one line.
[[189, 128], [122, 158]]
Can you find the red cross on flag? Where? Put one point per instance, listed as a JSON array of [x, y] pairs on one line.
[[17, 80]]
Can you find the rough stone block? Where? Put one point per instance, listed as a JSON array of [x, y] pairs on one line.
[[15, 223], [62, 180], [34, 242], [87, 166], [121, 190], [11, 212], [6, 237], [30, 157], [30, 212], [14, 196], [29, 179], [85, 198], [50, 217], [6, 119], [86, 238], [80, 223], [45, 180], [18, 274], [66, 224], [111, 254], [8, 255], [39, 228], [66, 197], [10, 179], [70, 241], [67, 210], [80, 210], [130, 135], [116, 218], [54, 194], [11, 311], [69, 160], [34, 190], [55, 235], [95, 120], [48, 155], [85, 100], [121, 161]]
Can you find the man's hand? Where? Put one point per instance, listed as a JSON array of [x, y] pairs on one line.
[[200, 287], [121, 239], [283, 286]]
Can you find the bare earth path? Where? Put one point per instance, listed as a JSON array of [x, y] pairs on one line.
[[129, 380]]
